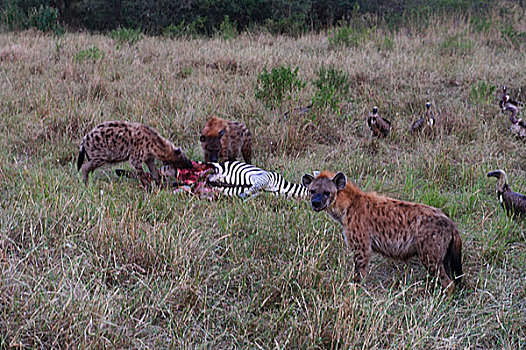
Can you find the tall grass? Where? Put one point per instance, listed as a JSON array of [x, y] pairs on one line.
[[109, 265]]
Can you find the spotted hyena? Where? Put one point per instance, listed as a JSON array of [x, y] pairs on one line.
[[118, 141], [223, 139], [391, 227]]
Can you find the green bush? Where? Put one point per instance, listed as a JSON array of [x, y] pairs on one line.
[[332, 86], [207, 17], [227, 29], [184, 30], [351, 35], [13, 17], [126, 35], [45, 19], [278, 85], [93, 53]]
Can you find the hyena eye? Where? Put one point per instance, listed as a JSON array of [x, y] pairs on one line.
[[312, 192], [326, 194]]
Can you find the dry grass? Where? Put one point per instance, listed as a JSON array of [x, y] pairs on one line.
[[112, 266]]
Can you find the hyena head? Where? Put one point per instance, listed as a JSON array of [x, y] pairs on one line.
[[212, 145], [178, 160], [323, 188]]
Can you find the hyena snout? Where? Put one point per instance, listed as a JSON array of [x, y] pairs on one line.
[[211, 147], [180, 161], [213, 157], [318, 202]]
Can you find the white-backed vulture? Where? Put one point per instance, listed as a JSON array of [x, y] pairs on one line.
[[512, 202], [426, 123], [380, 127]]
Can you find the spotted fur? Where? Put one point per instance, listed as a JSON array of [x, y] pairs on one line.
[[391, 227], [223, 140], [118, 141]]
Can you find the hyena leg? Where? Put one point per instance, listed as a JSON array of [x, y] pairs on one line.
[[246, 150], [225, 155], [137, 165], [89, 166], [362, 255], [435, 266], [150, 163]]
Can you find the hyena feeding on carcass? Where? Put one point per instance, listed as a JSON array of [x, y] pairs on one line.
[[391, 227], [223, 139], [118, 141]]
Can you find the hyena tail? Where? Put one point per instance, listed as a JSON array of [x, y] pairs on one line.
[[453, 258], [80, 160]]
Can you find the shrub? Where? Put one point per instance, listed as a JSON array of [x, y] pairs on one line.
[[13, 17], [227, 29], [349, 35], [278, 85], [126, 35], [93, 53], [45, 19], [332, 85]]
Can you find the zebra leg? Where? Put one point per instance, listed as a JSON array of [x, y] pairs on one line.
[[249, 193], [257, 186]]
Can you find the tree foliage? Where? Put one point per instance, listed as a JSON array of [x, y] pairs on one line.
[[204, 17]]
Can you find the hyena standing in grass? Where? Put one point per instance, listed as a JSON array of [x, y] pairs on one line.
[[223, 139], [391, 227], [118, 141]]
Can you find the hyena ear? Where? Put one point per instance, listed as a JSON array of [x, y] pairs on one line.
[[306, 180], [221, 133], [340, 180], [202, 138]]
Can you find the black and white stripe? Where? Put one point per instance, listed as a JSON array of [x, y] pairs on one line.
[[234, 178]]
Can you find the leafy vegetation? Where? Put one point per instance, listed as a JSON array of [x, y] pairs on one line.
[[332, 87], [93, 53], [208, 17], [278, 86], [126, 35]]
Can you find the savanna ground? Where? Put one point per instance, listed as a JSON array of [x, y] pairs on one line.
[[112, 266]]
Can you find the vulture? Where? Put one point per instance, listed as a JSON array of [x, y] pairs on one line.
[[380, 127], [512, 202], [518, 126], [426, 123], [507, 102]]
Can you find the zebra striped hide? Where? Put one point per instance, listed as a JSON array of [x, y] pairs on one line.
[[238, 179], [234, 178]]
